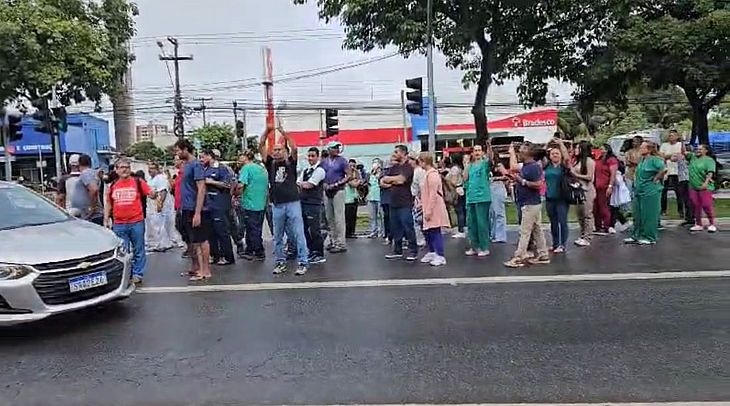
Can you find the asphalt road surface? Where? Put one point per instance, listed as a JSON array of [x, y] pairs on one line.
[[555, 335]]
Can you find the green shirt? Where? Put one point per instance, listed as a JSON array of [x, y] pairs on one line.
[[256, 186], [699, 167], [553, 178], [477, 186], [350, 194], [646, 172], [374, 191]]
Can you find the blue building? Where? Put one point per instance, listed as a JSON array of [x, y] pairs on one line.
[[86, 135]]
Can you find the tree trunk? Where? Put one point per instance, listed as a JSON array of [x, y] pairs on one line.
[[479, 110], [124, 126], [700, 128]]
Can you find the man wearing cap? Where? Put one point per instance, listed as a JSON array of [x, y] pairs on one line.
[[337, 174], [218, 188], [67, 183], [287, 209]]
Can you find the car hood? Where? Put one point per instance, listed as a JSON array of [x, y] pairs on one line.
[[54, 242]]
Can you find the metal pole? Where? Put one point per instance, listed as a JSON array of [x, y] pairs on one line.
[[245, 134], [403, 111], [431, 93], [6, 141], [321, 128], [56, 135], [40, 166]]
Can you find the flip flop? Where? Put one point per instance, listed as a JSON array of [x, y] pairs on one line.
[[199, 278]]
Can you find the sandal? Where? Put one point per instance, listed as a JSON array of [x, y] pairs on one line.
[[199, 278]]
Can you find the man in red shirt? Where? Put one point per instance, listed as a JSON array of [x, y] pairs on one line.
[[123, 213]]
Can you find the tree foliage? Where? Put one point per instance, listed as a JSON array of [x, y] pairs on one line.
[[218, 136], [489, 40], [148, 151], [661, 44], [72, 44]]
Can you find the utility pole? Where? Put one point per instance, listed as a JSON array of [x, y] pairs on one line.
[[6, 152], [56, 134], [179, 127], [431, 93], [202, 107], [403, 110], [245, 134]]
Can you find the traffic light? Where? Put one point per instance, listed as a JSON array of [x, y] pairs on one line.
[[42, 115], [332, 123], [59, 119], [415, 96], [15, 126]]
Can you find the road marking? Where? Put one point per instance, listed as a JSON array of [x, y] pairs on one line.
[[486, 280], [558, 404]]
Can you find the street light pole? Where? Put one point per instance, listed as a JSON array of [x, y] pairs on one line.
[[431, 93], [403, 112]]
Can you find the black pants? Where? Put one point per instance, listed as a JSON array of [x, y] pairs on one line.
[[617, 215], [672, 183], [386, 221], [180, 226], [683, 196], [312, 223], [350, 219], [220, 244], [253, 223], [238, 231]]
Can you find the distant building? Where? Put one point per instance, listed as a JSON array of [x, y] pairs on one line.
[[150, 131]]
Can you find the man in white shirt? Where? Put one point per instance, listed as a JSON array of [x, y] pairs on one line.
[[671, 151], [311, 194], [160, 212]]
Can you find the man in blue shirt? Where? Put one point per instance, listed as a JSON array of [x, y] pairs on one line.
[[337, 173], [218, 187], [528, 183], [196, 219]]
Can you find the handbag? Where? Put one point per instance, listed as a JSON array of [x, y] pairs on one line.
[[570, 188]]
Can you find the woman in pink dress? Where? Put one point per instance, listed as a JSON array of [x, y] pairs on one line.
[[435, 215]]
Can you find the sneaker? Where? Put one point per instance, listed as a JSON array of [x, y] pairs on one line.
[[600, 232], [224, 262], [259, 258], [438, 261], [137, 280], [611, 230], [630, 240], [458, 235], [393, 256], [386, 242], [712, 228], [687, 223], [582, 242], [559, 250], [411, 257], [428, 257], [482, 254], [279, 268], [470, 252], [338, 250], [539, 261], [317, 259], [697, 227], [301, 270], [514, 262], [645, 242], [661, 227]]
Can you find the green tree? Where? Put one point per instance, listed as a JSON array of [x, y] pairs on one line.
[[488, 39], [218, 136], [147, 151], [664, 43]]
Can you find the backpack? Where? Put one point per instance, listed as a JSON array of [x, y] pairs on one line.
[[570, 188], [140, 193]]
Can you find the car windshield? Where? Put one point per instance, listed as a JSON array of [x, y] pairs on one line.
[[22, 208]]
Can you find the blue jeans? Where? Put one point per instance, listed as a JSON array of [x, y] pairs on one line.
[[557, 211], [288, 218], [133, 237], [253, 223], [401, 225], [497, 212], [220, 243]]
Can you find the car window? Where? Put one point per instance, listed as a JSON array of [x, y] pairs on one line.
[[22, 208]]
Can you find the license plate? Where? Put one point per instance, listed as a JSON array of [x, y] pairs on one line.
[[85, 282]]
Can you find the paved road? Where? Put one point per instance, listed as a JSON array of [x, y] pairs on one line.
[[581, 341]]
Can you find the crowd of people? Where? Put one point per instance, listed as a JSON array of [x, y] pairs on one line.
[[311, 212]]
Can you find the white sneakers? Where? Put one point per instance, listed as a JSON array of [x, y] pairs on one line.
[[711, 228], [582, 242], [458, 235], [470, 252], [433, 259], [611, 230]]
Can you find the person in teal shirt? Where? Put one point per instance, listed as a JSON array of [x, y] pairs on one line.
[[253, 188], [647, 196], [555, 203], [702, 169], [478, 200], [374, 198]]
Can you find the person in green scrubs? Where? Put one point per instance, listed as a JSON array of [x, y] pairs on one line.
[[702, 169], [478, 200], [647, 196]]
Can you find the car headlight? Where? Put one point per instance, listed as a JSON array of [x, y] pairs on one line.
[[9, 272], [122, 249]]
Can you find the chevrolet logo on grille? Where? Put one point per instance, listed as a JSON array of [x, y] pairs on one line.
[[85, 265]]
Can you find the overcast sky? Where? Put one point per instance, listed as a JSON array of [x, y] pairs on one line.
[[225, 37]]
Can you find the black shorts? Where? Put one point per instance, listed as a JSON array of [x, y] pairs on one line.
[[200, 234], [180, 226]]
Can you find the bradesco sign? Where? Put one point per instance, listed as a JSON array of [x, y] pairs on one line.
[[533, 119]]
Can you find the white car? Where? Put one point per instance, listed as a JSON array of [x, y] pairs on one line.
[[52, 263]]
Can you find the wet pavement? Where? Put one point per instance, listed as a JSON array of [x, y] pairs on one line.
[[630, 340]]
